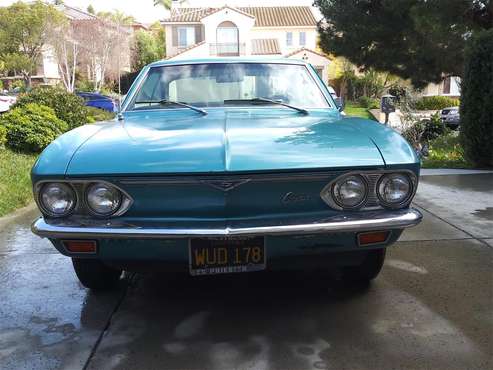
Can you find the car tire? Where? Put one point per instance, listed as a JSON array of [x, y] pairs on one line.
[[94, 274], [367, 270]]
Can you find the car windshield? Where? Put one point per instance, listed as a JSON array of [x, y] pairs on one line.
[[227, 84]]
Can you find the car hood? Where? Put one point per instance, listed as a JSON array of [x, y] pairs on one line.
[[182, 141]]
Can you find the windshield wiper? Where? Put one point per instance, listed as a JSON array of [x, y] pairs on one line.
[[265, 100], [171, 102]]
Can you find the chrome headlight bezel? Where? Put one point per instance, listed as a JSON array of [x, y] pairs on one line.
[[81, 208], [372, 200], [45, 209], [401, 203], [328, 194], [109, 187]]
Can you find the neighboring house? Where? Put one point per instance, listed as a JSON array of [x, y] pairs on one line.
[[282, 31], [47, 72], [450, 86]]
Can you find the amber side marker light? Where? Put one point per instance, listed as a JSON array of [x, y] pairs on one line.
[[80, 246], [376, 237]]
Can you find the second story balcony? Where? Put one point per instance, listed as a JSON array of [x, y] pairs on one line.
[[230, 49]]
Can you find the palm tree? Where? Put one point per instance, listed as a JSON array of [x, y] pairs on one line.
[[165, 3]]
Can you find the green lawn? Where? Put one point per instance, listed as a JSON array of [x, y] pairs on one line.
[[15, 183], [353, 110]]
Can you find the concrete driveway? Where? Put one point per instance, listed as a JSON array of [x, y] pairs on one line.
[[431, 308]]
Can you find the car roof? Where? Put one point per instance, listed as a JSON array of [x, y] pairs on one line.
[[260, 60]]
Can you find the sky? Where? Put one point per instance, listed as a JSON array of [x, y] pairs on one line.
[[144, 10]]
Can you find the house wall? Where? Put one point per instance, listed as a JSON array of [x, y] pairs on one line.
[[317, 61], [438, 89], [281, 35], [243, 22]]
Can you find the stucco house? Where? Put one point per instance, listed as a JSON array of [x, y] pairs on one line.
[[262, 31], [450, 87]]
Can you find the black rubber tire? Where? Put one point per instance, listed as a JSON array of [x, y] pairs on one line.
[[95, 275], [366, 271]]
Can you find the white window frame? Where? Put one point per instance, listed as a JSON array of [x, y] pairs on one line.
[[302, 39], [289, 38], [189, 36]]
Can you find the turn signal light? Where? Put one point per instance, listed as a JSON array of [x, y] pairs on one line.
[[80, 246], [376, 237]]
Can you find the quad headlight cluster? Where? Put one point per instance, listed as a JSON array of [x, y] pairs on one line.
[[356, 191], [101, 199]]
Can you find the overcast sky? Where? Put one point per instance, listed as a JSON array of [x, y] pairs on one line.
[[144, 10]]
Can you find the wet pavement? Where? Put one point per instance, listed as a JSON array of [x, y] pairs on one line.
[[431, 308]]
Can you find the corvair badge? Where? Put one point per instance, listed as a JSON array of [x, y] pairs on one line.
[[225, 185], [291, 198]]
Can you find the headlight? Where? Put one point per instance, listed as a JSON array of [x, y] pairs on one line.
[[394, 189], [350, 192], [57, 199], [103, 199]]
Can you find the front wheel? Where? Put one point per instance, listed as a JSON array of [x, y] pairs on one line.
[[367, 270], [94, 274]]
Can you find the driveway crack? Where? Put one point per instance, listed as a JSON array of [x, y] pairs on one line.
[[108, 322], [451, 224]]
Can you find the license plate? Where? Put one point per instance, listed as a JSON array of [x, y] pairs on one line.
[[226, 255]]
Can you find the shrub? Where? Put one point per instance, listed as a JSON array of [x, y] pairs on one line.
[[476, 132], [433, 128], [369, 103], [3, 136], [32, 127], [436, 103], [67, 106], [97, 115]]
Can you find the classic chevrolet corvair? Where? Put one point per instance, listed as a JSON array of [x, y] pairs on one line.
[[222, 166]]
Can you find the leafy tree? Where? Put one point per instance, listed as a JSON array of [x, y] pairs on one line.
[[420, 40], [24, 30], [477, 101], [148, 47], [165, 3], [90, 9]]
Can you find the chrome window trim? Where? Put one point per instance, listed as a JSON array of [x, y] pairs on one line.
[[81, 204], [327, 195]]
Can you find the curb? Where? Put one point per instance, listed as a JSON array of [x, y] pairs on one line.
[[5, 220]]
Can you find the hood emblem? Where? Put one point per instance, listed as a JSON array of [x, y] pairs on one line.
[[225, 185]]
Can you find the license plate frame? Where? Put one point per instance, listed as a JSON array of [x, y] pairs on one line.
[[215, 256]]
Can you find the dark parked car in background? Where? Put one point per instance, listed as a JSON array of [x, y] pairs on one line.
[[450, 117], [98, 101]]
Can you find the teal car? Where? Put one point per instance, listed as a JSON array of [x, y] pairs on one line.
[[226, 166]]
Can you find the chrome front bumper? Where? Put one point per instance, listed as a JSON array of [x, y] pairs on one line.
[[371, 221]]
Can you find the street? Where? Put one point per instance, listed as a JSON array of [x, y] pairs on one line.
[[431, 308]]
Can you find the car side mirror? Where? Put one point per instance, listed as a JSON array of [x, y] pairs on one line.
[[340, 104]]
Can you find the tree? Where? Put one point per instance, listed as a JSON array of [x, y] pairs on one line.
[[420, 40], [67, 50], [476, 112], [90, 9], [165, 3], [25, 30], [148, 47]]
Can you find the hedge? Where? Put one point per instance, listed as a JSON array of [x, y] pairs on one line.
[[67, 106], [476, 110], [32, 127], [436, 103], [3, 136]]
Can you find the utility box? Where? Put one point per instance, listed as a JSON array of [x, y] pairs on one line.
[[387, 104]]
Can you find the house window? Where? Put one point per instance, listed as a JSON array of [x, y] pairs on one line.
[[227, 38], [186, 36], [302, 38], [446, 85], [289, 38]]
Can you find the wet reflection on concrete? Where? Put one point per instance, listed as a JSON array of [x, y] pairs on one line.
[[430, 308]]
